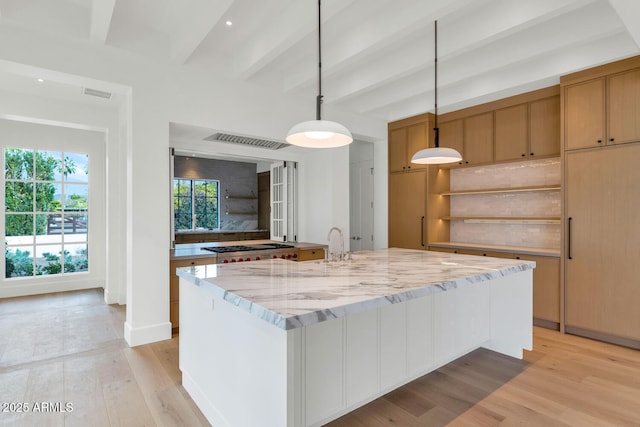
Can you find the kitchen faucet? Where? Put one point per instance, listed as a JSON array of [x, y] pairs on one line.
[[332, 254]]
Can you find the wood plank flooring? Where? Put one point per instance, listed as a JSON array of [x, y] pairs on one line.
[[68, 347]]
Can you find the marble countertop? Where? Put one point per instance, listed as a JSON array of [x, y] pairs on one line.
[[294, 294], [194, 250]]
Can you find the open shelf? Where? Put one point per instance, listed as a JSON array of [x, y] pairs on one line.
[[505, 220], [504, 190]]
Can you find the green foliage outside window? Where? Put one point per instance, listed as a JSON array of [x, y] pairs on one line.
[[199, 197], [33, 179]]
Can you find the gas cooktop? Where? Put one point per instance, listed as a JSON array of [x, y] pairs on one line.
[[245, 248]]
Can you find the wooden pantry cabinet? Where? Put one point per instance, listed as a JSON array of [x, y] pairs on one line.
[[604, 110], [602, 199], [407, 210]]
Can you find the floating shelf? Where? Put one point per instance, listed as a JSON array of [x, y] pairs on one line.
[[504, 190], [240, 197], [233, 197], [505, 220], [241, 213]]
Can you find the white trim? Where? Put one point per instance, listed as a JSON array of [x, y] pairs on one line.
[[18, 288], [146, 334]]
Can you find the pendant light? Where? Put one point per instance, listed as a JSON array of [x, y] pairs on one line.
[[436, 155], [319, 133]]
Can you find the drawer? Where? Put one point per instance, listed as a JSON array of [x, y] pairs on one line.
[[310, 254]]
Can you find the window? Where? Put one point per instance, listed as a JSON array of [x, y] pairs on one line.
[[46, 212], [195, 204]]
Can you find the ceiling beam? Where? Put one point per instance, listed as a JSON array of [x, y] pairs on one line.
[[476, 56], [287, 29], [199, 19], [392, 25], [629, 11], [101, 14]]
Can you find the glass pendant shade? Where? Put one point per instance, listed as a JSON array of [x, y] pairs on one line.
[[436, 156], [319, 134]]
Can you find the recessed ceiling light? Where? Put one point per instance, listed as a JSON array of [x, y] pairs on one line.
[[40, 80], [229, 23]]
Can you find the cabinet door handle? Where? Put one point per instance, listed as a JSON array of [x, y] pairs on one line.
[[611, 139], [599, 141], [569, 238], [422, 231]]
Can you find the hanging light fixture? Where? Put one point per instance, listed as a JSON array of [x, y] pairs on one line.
[[436, 155], [319, 133]]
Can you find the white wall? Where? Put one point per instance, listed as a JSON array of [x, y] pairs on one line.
[[156, 94], [22, 134]]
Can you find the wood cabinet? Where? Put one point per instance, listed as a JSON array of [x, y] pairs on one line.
[[603, 111], [470, 136], [546, 281], [310, 254], [478, 139], [174, 285], [512, 133], [584, 114], [546, 289], [404, 142], [602, 201], [529, 130], [623, 104], [407, 210], [544, 127]]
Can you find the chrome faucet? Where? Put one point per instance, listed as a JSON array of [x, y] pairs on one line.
[[332, 254]]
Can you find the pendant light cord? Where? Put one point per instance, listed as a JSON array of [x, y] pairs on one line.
[[436, 130], [319, 97]]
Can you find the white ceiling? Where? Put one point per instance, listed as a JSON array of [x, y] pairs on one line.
[[377, 54]]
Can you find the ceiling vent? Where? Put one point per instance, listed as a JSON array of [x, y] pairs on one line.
[[96, 92], [243, 140]]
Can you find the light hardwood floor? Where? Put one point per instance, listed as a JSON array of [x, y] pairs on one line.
[[68, 347]]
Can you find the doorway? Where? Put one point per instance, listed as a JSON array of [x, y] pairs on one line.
[[361, 196]]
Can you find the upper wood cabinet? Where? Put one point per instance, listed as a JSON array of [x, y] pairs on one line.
[[529, 130], [544, 127], [512, 133], [452, 136], [584, 114], [404, 142], [623, 102], [478, 139], [602, 105], [470, 136]]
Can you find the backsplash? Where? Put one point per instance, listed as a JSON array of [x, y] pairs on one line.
[[544, 172]]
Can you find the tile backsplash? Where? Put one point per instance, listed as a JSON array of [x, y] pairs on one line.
[[516, 204]]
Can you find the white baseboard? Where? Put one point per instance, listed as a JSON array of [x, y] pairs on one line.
[[199, 397], [146, 334], [24, 287]]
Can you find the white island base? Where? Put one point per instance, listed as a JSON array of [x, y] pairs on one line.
[[242, 371]]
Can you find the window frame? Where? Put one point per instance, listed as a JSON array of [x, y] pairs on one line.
[[193, 221]]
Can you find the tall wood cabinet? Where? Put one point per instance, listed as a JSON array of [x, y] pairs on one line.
[[603, 245], [601, 139], [408, 183]]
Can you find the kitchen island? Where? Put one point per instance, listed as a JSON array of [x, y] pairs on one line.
[[278, 343]]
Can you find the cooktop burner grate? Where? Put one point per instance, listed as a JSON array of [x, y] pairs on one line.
[[245, 248]]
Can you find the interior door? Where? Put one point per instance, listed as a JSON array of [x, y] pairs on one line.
[[284, 190], [361, 205]]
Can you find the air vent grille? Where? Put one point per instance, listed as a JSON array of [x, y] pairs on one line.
[[96, 92], [243, 140]]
